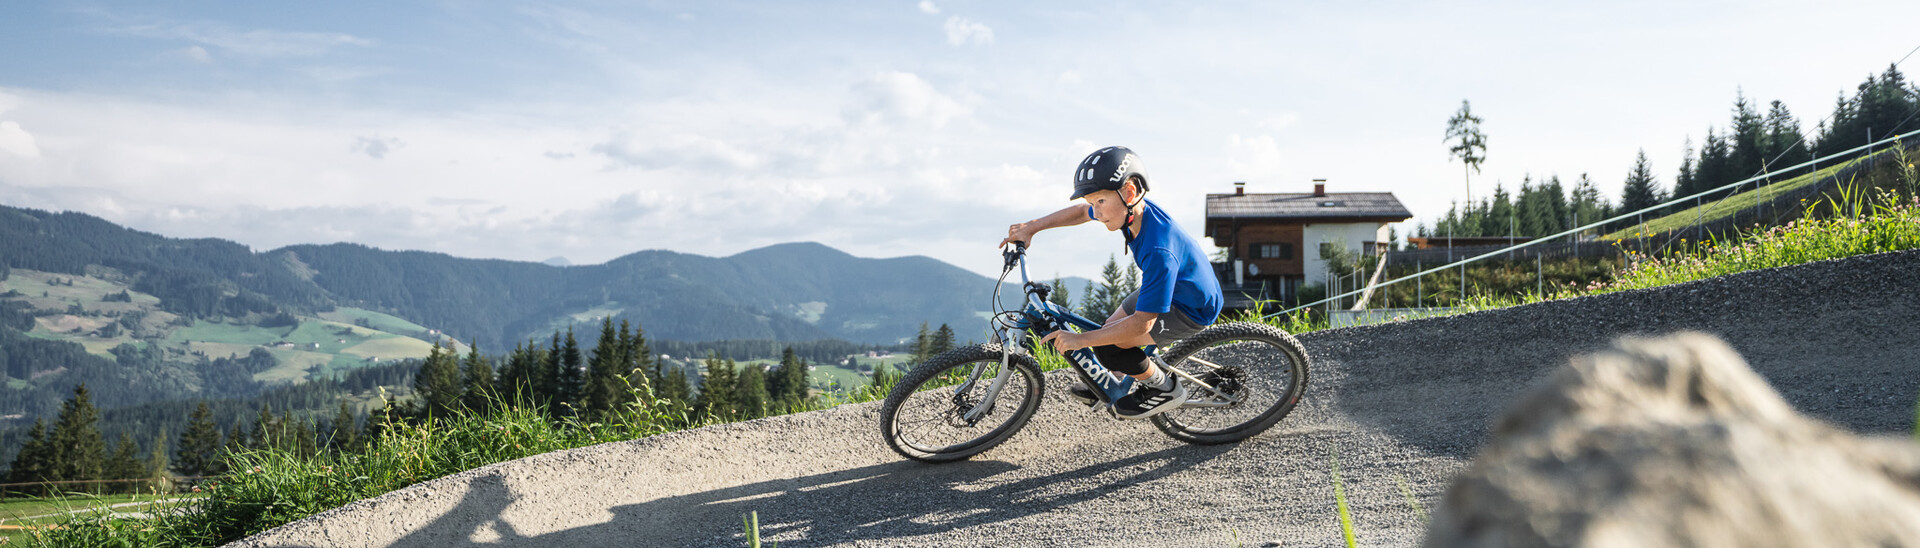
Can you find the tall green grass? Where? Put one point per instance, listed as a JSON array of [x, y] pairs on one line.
[[269, 488], [1852, 224]]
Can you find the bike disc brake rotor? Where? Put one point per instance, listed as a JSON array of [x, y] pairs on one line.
[[963, 404]]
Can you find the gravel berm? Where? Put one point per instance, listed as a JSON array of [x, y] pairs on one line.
[[1403, 405]]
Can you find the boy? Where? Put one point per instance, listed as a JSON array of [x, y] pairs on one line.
[[1178, 292]]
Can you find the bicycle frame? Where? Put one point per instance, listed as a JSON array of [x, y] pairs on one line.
[[1044, 316]]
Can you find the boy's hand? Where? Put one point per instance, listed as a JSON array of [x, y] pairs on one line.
[[1021, 232], [1064, 341]]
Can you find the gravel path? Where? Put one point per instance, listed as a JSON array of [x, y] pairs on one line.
[[1404, 406]]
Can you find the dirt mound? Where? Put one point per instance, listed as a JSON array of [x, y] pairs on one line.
[[1404, 406]]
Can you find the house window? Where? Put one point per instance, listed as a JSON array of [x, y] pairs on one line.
[[1273, 251]]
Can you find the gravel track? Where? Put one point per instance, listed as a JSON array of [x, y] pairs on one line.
[[1401, 404]]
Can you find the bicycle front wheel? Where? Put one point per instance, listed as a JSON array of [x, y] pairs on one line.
[[949, 407], [1257, 372]]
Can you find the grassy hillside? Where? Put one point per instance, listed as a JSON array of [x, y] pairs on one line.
[[1709, 212], [101, 311]]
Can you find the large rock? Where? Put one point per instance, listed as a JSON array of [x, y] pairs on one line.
[[1675, 442]]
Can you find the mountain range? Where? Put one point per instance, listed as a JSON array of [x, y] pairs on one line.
[[791, 292]]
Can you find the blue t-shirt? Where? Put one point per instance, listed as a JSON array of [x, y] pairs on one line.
[[1174, 271]]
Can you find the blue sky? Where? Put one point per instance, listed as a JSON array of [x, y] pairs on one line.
[[591, 130]]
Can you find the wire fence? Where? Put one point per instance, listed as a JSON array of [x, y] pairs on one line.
[[1722, 193], [38, 489]]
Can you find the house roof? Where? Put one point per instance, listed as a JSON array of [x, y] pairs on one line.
[[1342, 205]]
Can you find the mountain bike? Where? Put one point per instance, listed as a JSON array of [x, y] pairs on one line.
[[1241, 378]]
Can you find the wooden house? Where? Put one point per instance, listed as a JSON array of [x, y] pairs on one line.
[[1273, 241]]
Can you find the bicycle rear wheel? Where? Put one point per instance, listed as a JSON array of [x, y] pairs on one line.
[[1258, 373], [942, 410]]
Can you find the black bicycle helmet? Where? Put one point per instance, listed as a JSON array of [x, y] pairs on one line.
[[1106, 169]]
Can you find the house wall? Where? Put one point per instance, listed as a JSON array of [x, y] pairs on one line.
[[1255, 234], [1350, 235]]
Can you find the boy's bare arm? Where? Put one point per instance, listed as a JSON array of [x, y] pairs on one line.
[[1069, 216]]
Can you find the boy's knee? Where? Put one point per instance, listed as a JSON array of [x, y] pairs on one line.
[[1129, 360]]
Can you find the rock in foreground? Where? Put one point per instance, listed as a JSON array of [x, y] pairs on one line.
[[1676, 442]]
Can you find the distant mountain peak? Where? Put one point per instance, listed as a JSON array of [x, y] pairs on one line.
[[557, 261]]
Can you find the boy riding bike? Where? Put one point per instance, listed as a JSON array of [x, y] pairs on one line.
[[1178, 294]]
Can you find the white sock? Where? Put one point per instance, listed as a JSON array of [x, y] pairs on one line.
[[1160, 380]]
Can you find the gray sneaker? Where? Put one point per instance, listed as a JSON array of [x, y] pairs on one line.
[[1147, 401]]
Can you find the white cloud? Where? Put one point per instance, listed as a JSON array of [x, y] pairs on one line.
[[256, 43], [1255, 158], [376, 147], [195, 54], [682, 150], [1070, 77], [16, 140], [927, 7], [1276, 123], [962, 31], [897, 98]]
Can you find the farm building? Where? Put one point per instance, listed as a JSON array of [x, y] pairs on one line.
[[1273, 241]]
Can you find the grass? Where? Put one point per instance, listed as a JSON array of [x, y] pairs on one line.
[[269, 488], [382, 322], [1713, 210], [1340, 502]]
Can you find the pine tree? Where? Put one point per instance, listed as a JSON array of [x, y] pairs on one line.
[[156, 467], [1499, 217], [1059, 294], [549, 380], [438, 382], [675, 388], [1716, 167], [344, 430], [942, 340], [1641, 190], [124, 463], [604, 370], [571, 376], [922, 345], [1684, 184], [78, 450], [639, 356], [265, 435], [34, 462], [787, 386], [1463, 129], [477, 380], [200, 444], [1749, 139], [1786, 146], [305, 434], [1105, 298], [717, 389], [519, 380], [236, 441], [752, 393]]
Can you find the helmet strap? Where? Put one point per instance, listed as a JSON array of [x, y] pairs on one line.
[[1126, 228]]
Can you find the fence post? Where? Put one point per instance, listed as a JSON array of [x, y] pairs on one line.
[[1419, 285]]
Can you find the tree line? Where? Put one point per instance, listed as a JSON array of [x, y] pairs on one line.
[[1753, 144]]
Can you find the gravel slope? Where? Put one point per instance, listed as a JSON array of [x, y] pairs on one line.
[[1402, 404]]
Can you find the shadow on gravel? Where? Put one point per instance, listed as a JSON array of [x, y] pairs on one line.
[[900, 499]]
